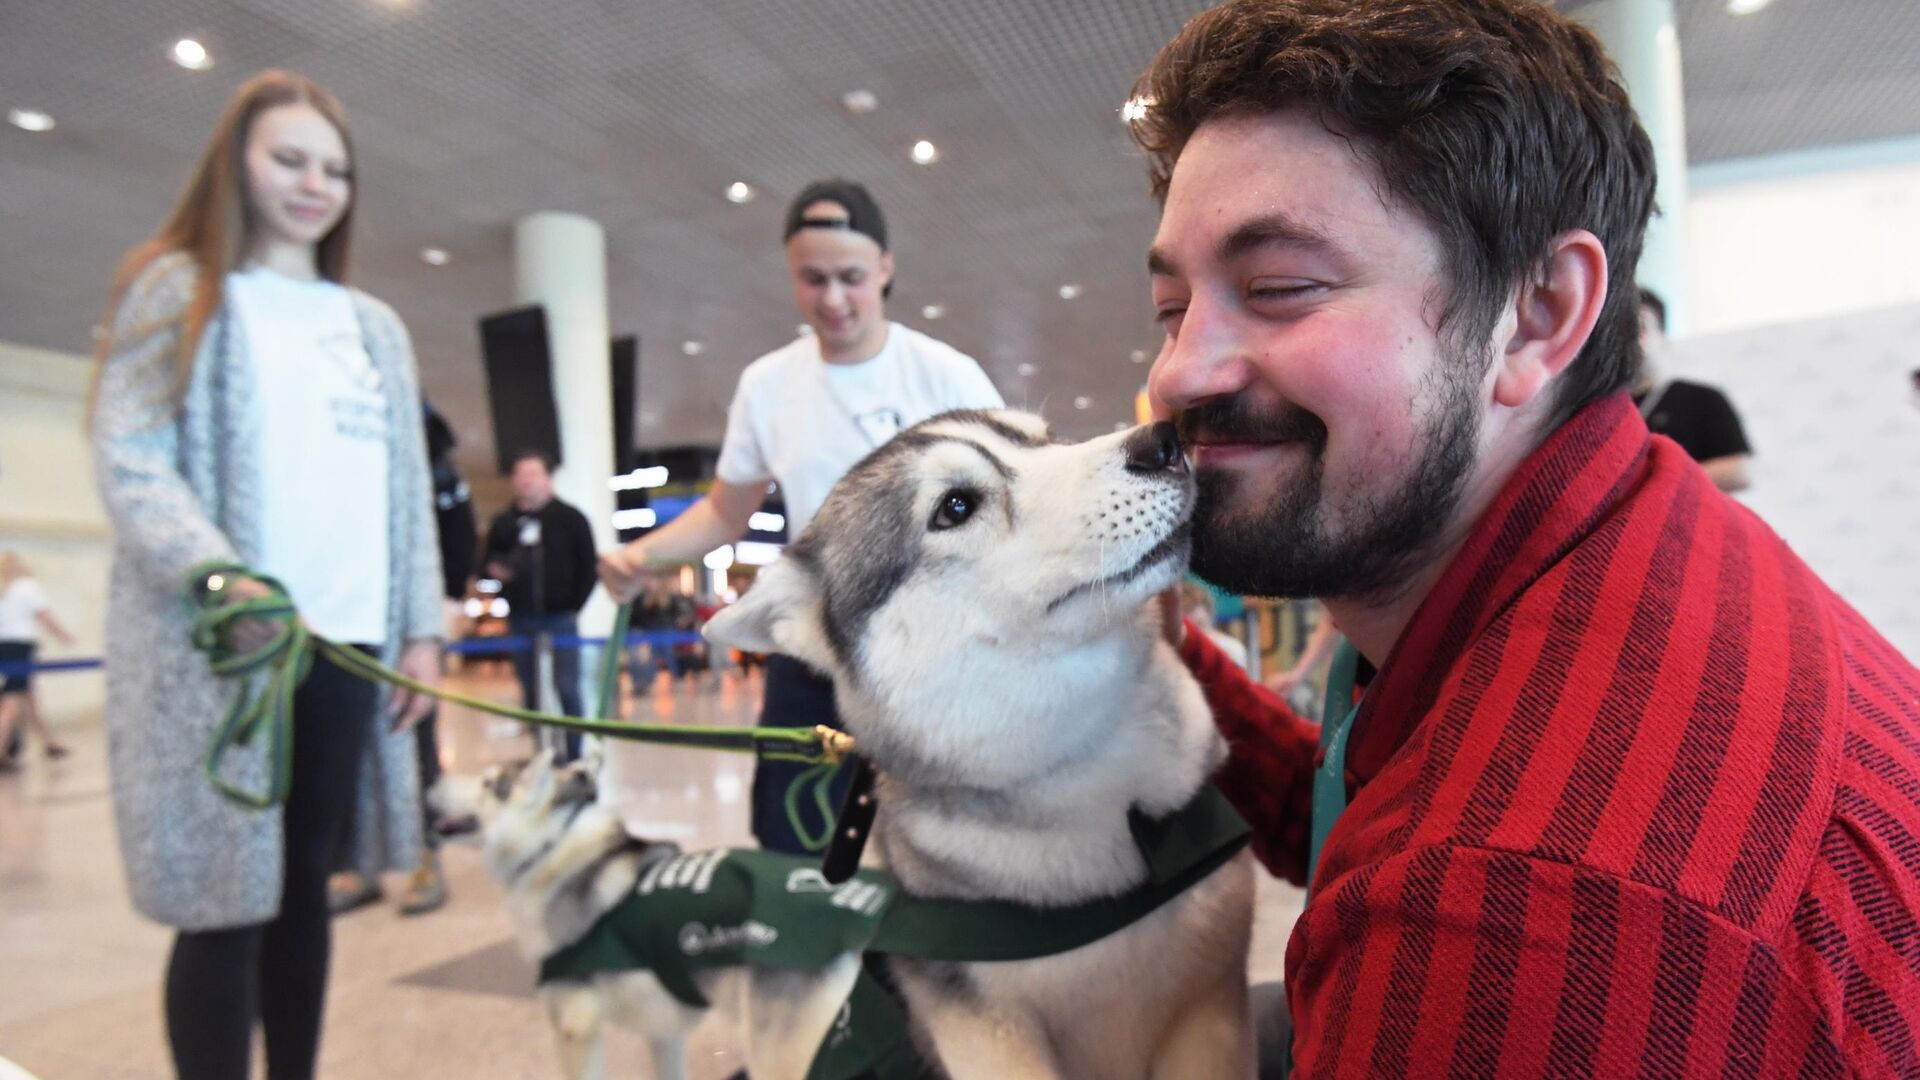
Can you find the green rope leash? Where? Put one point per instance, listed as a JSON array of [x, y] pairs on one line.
[[264, 708]]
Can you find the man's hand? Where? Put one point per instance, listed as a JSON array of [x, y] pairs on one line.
[[419, 661], [499, 571], [621, 571]]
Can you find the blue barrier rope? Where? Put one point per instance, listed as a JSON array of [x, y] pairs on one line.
[[21, 667], [487, 646], [522, 643]]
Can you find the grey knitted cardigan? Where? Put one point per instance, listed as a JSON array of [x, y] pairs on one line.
[[178, 485]]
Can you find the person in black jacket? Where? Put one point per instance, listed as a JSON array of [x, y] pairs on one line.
[[541, 550]]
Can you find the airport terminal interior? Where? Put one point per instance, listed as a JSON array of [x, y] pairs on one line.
[[598, 231]]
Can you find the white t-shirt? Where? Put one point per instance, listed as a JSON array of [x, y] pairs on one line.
[[804, 422], [322, 452], [20, 604]]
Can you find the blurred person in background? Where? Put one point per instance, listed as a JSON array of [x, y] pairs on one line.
[[541, 551], [1313, 657], [802, 415], [250, 407], [1197, 604], [24, 613], [1698, 417], [662, 608]]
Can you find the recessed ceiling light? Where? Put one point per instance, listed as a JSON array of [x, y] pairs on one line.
[[859, 102], [925, 152], [804, 329], [190, 54], [933, 311], [1135, 110], [1746, 7], [29, 119], [1026, 369], [738, 192], [434, 256], [1083, 402], [692, 348], [1138, 356], [1121, 426], [1069, 292]]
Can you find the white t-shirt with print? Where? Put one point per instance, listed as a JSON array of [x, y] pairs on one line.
[[20, 606], [804, 422], [322, 451]]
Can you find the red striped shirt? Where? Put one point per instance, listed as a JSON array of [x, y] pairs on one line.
[[1635, 794]]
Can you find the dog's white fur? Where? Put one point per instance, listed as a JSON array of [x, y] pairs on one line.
[[1007, 678]]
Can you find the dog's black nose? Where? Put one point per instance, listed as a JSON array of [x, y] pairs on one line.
[[1154, 448]]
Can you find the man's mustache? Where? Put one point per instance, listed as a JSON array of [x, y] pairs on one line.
[[1232, 420]]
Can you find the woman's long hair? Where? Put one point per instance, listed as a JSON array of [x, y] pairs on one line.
[[212, 223]]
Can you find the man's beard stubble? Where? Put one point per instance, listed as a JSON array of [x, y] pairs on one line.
[[1282, 548]]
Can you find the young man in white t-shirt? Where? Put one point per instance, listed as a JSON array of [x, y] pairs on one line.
[[802, 415]]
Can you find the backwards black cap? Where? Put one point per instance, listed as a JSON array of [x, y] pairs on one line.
[[863, 214]]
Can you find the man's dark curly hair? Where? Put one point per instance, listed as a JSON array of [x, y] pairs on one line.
[[1501, 122]]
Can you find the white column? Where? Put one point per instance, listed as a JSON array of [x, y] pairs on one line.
[[1640, 36], [560, 262]]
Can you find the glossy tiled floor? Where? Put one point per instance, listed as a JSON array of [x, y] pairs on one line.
[[442, 995]]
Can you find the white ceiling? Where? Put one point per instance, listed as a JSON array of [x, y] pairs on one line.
[[639, 113]]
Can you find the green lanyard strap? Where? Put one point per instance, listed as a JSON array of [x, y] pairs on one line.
[[1330, 779], [264, 707]]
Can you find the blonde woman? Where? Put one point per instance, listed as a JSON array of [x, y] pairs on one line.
[[24, 612], [251, 407]]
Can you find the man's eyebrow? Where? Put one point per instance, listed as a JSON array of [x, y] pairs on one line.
[[1274, 230]]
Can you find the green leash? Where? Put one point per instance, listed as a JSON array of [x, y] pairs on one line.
[[264, 709]]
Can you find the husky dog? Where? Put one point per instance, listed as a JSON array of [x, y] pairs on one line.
[[980, 595]]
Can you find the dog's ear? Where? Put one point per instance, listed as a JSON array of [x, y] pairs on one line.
[[536, 777], [769, 618], [576, 786]]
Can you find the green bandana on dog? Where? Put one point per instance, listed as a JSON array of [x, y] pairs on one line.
[[721, 908]]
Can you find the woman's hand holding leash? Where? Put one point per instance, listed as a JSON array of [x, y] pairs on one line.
[[248, 635], [419, 661]]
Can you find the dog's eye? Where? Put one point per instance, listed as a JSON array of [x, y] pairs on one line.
[[954, 508]]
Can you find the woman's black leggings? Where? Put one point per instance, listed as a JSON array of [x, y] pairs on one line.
[[219, 981]]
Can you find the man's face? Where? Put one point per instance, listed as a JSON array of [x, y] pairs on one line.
[[532, 483], [1331, 428], [838, 276]]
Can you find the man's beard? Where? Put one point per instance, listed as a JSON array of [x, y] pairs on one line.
[[1284, 548]]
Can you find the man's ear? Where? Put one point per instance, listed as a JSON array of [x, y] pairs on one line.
[[1555, 310], [773, 616]]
